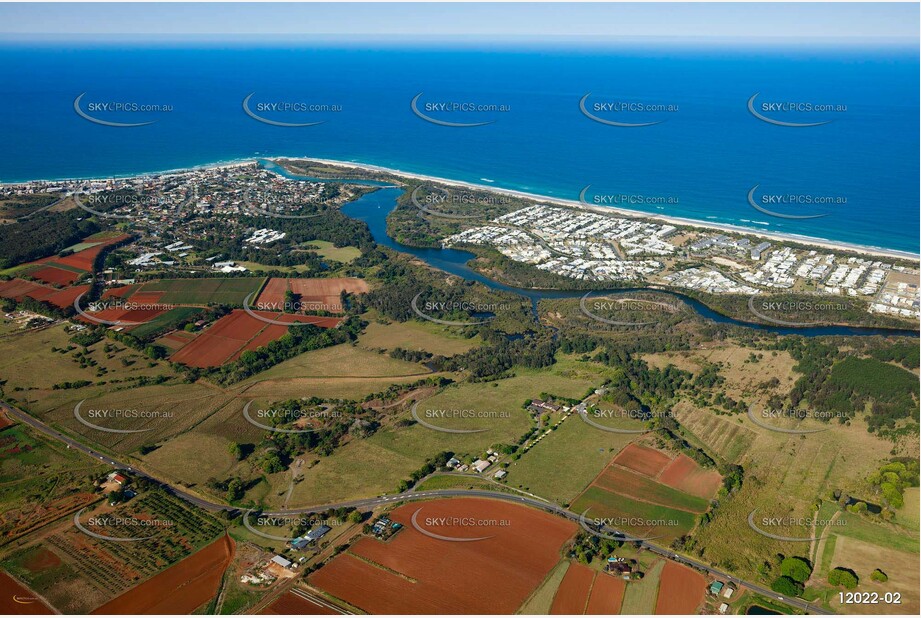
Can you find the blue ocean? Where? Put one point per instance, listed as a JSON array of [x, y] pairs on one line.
[[699, 154]]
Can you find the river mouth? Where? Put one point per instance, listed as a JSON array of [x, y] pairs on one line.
[[373, 209]]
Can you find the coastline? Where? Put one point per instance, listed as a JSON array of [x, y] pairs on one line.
[[823, 243], [725, 227]]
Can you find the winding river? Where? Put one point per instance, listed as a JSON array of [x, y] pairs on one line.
[[374, 207]]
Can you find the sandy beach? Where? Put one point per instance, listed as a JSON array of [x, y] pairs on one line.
[[791, 238], [822, 243]]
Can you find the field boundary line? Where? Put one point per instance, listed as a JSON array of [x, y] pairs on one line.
[[380, 566], [589, 595], [544, 582]]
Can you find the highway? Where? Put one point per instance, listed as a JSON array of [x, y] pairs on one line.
[[409, 495]]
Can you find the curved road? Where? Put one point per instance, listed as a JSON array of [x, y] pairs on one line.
[[404, 497]]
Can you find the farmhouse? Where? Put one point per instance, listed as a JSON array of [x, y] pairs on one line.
[[539, 405], [723, 608], [728, 591], [716, 587], [500, 474], [317, 533], [480, 465], [619, 566]]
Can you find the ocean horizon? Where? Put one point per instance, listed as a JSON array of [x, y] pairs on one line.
[[700, 155]]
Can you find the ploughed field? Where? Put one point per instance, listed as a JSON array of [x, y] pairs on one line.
[[585, 591], [681, 590], [413, 573], [180, 589], [310, 294], [47, 276], [649, 493], [235, 333]]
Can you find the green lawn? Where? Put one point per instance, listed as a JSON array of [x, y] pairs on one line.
[[640, 596], [331, 252]]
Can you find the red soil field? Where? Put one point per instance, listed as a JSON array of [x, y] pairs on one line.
[[572, 595], [207, 351], [316, 294], [270, 333], [237, 325], [273, 294], [290, 604], [5, 421], [230, 336], [65, 298], [607, 595], [120, 292], [416, 574], [684, 474], [643, 460], [57, 276], [180, 589], [20, 288], [17, 599], [681, 590], [84, 259]]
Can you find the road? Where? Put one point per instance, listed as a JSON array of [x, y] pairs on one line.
[[409, 495]]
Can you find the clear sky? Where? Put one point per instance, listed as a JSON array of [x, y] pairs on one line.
[[875, 21]]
